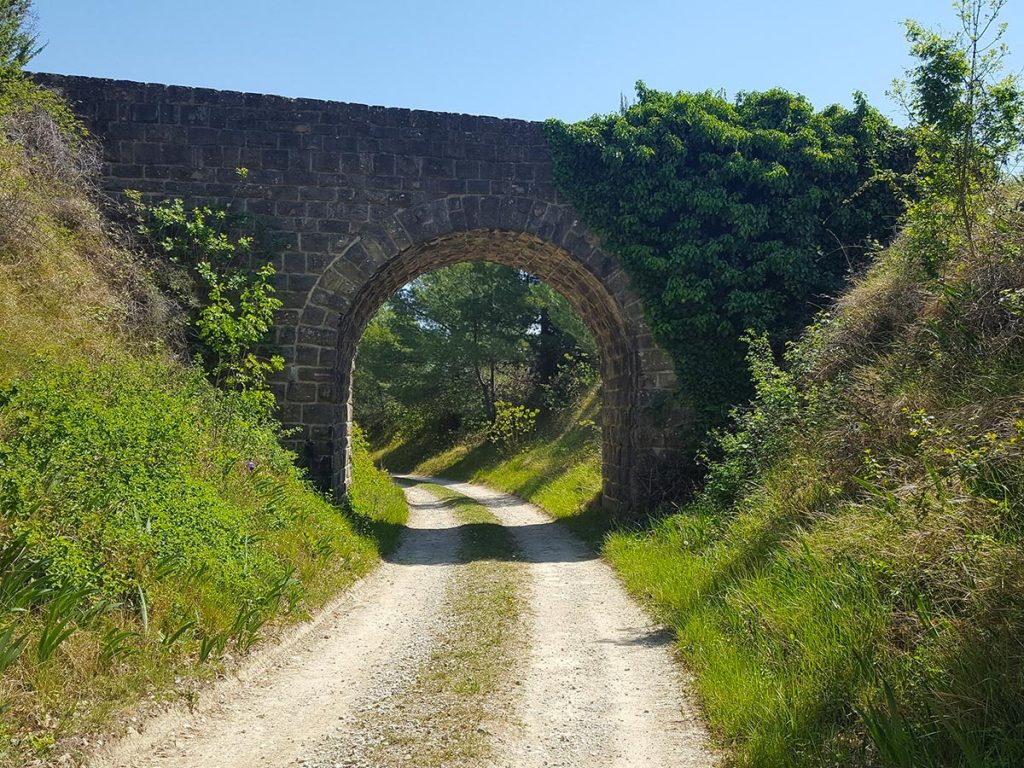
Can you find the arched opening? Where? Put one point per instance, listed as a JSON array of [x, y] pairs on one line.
[[590, 299]]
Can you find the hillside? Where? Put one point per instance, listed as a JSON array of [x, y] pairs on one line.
[[847, 587], [150, 524], [557, 468]]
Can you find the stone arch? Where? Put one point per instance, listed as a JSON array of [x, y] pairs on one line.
[[541, 238], [352, 194]]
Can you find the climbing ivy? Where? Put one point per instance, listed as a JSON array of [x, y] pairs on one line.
[[731, 216]]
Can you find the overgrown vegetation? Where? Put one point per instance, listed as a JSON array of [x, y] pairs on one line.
[[731, 216], [207, 261], [151, 527], [847, 586]]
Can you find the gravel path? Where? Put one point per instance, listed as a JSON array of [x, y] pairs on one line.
[[283, 703], [598, 689]]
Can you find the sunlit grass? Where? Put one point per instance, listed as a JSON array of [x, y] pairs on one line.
[[559, 469]]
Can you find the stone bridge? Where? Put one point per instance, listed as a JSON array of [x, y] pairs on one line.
[[364, 199]]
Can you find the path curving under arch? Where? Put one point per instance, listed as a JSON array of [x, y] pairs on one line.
[[602, 312]]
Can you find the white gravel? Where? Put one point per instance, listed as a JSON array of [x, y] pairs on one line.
[[600, 688]]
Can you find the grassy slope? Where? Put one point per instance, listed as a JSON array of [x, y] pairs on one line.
[[848, 589], [128, 515], [558, 469]]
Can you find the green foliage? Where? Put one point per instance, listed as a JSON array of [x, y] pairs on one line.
[[846, 587], [375, 500], [575, 375], [106, 472], [439, 355], [512, 424], [233, 306], [237, 316], [18, 42], [967, 119], [731, 216]]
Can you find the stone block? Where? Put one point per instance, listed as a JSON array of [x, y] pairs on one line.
[[301, 392]]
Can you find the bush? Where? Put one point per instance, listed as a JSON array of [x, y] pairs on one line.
[[575, 375], [232, 306], [511, 425]]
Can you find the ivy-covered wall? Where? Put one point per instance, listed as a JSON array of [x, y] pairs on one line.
[[732, 215]]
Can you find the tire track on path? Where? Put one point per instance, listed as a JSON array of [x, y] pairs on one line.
[[592, 684]]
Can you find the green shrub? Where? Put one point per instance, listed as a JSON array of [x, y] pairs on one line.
[[575, 375], [232, 305], [511, 425]]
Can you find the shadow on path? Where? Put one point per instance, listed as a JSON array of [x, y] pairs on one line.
[[442, 555]]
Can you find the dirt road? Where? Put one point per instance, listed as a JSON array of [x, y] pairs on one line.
[[592, 682]]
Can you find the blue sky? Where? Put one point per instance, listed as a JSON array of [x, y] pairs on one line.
[[528, 58]]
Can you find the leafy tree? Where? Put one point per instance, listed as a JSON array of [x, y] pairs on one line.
[[237, 315], [37, 119], [968, 118], [18, 41], [443, 352], [481, 312], [731, 216], [231, 306]]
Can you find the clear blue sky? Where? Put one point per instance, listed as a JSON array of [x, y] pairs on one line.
[[518, 58]]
